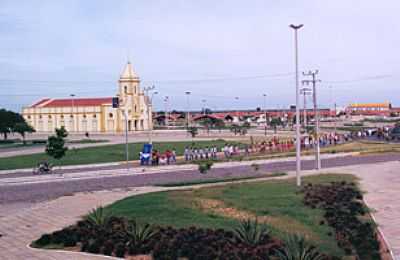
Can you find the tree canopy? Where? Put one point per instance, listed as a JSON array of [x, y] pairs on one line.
[[13, 122]]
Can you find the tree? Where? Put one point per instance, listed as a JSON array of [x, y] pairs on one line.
[[8, 120], [22, 128], [275, 122], [207, 123], [56, 144], [193, 131]]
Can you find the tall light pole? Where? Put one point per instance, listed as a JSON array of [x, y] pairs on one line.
[[298, 141], [166, 110], [204, 106], [150, 112], [237, 109], [187, 93], [72, 111], [265, 113]]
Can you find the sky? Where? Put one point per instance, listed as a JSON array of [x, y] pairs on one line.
[[217, 50]]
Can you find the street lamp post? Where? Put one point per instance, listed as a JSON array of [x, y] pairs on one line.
[[72, 112], [265, 112], [237, 109], [298, 141], [166, 110], [204, 106], [149, 112], [188, 108]]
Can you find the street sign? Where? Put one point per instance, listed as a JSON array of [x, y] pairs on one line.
[[115, 102]]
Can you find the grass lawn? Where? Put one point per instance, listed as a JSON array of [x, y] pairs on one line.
[[100, 154], [277, 203]]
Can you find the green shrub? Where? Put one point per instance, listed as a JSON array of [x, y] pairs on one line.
[[98, 217], [94, 246], [205, 166], [251, 232], [139, 235], [296, 248], [108, 248], [44, 240], [120, 250]]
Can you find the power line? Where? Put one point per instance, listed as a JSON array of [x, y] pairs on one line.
[[168, 81], [377, 77]]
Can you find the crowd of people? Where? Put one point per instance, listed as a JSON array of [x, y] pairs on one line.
[[168, 157], [229, 150], [200, 153]]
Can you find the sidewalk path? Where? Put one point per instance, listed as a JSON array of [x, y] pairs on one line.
[[19, 230]]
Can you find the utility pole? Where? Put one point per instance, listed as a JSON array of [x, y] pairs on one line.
[[149, 116], [72, 112], [204, 106], [265, 112], [313, 81], [305, 92], [188, 108], [166, 110], [298, 141]]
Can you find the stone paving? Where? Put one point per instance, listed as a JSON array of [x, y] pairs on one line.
[[380, 180], [19, 229]]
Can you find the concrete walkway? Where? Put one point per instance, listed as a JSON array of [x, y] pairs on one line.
[[381, 181], [19, 230]]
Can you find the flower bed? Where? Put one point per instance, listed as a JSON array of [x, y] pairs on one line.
[[117, 236], [346, 213]]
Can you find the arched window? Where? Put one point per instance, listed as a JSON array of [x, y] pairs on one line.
[[71, 116], [135, 108], [110, 115], [49, 116], [94, 116], [126, 90], [84, 116], [62, 116], [40, 116], [29, 117]]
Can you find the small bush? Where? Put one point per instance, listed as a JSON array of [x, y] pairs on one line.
[[43, 241], [296, 248], [94, 246], [120, 250], [205, 166], [108, 248], [251, 232]]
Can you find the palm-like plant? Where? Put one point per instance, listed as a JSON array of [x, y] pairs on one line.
[[297, 248], [98, 217], [251, 232], [139, 234]]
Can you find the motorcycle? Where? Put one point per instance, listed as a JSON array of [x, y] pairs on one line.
[[43, 168]]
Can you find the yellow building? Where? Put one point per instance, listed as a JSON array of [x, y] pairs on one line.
[[95, 114]]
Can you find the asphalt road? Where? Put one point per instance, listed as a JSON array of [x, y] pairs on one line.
[[31, 193]]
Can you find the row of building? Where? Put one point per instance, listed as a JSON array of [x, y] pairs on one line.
[[99, 114]]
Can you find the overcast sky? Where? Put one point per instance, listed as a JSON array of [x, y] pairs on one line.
[[216, 49]]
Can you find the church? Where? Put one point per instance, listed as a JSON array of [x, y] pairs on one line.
[[94, 115]]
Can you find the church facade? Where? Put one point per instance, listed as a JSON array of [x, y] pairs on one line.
[[95, 114]]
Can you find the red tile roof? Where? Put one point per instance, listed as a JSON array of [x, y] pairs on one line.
[[40, 102], [78, 102]]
